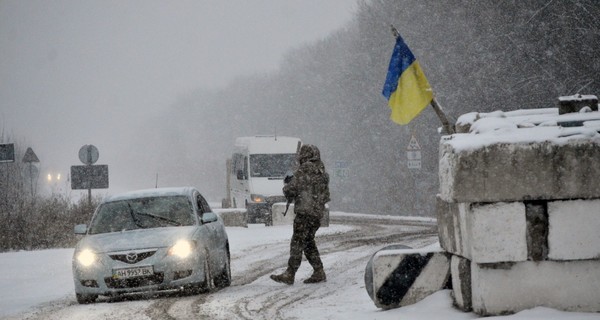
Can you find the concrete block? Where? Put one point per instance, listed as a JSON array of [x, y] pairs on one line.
[[504, 288], [484, 233], [569, 104], [233, 217], [369, 268], [405, 276], [506, 172], [574, 229], [460, 270], [279, 219]]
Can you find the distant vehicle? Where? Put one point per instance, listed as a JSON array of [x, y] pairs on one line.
[[150, 240], [257, 168]]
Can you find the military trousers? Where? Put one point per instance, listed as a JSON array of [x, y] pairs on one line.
[[303, 241]]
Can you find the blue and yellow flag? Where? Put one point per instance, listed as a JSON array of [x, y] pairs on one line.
[[406, 88]]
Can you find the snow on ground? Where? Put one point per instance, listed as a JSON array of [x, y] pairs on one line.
[[37, 278]]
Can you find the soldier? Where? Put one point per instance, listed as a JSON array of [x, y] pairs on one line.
[[309, 189]]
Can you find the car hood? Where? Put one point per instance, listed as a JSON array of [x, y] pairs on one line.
[[136, 239]]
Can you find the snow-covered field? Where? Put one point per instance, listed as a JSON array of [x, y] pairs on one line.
[[37, 282]]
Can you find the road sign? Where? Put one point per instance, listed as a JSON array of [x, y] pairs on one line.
[[413, 154], [30, 156], [89, 177], [413, 145], [31, 172], [414, 164], [7, 152], [88, 154], [341, 169]]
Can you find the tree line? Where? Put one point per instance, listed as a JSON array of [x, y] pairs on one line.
[[31, 220], [478, 56]]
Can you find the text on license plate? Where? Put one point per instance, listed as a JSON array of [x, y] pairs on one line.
[[133, 272]]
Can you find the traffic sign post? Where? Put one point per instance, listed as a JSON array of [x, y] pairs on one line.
[[413, 154], [29, 158], [89, 176]]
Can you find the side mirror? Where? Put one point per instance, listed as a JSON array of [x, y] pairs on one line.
[[80, 229], [209, 217]]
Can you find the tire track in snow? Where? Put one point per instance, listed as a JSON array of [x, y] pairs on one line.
[[257, 297]]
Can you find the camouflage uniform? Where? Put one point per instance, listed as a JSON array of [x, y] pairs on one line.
[[310, 191]]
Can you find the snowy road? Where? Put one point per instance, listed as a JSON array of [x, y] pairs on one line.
[[345, 249]]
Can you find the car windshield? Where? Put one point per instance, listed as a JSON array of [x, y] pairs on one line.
[[271, 165], [142, 213]]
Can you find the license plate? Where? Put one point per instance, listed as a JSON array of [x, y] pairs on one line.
[[133, 272]]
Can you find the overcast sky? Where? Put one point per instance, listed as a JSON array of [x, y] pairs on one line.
[[88, 72]]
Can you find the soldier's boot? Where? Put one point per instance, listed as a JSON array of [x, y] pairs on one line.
[[287, 277], [317, 276]]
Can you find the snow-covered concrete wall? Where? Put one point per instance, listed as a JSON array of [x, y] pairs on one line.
[[519, 210]]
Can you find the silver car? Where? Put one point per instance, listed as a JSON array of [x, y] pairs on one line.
[[150, 240]]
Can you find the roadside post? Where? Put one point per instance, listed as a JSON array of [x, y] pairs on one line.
[[89, 176], [30, 157]]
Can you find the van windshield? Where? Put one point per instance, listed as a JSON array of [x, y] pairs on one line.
[[271, 165]]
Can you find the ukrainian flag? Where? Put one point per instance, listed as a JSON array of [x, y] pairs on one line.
[[406, 88]]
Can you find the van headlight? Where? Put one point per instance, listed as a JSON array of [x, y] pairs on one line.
[[86, 257], [257, 198], [182, 249]]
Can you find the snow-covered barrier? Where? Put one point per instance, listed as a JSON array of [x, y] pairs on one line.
[[558, 171], [279, 219], [501, 288], [517, 156], [400, 277], [519, 209], [484, 233], [233, 217], [574, 230]]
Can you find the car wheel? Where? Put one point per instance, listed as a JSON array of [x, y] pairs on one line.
[[85, 298], [224, 279]]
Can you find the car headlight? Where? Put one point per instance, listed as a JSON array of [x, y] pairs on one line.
[[257, 198], [86, 257], [182, 249]]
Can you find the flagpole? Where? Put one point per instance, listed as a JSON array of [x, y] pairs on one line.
[[447, 127]]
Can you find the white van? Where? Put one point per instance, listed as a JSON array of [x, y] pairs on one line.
[[258, 166]]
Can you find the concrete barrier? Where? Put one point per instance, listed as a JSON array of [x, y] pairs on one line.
[[402, 277], [574, 230], [279, 219], [506, 172], [519, 210], [484, 233], [233, 217], [512, 287], [369, 268], [460, 270]]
